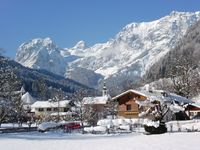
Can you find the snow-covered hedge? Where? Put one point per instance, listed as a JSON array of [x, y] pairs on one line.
[[45, 126], [189, 125], [151, 123], [97, 129], [107, 125], [125, 127], [118, 122], [105, 122]]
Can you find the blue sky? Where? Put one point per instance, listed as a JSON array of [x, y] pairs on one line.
[[69, 21]]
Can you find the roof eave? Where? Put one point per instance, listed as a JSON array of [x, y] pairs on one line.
[[131, 90]]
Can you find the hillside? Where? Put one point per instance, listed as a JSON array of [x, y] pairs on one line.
[[189, 43], [41, 82], [181, 64]]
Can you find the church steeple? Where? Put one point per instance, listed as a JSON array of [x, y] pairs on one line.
[[104, 91], [22, 90]]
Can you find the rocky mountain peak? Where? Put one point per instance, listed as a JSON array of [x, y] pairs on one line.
[[126, 57], [80, 45]]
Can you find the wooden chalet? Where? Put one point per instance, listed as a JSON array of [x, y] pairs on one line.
[[127, 106]]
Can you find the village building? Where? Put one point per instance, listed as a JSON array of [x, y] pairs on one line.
[[98, 103], [175, 104], [128, 101], [127, 106], [42, 109], [193, 110]]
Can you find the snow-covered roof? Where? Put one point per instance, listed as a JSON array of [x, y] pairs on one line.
[[179, 98], [27, 98], [128, 91], [193, 107], [161, 95], [158, 95], [96, 100], [155, 95], [196, 105], [47, 104]]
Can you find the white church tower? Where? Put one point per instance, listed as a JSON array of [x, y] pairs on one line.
[[104, 91]]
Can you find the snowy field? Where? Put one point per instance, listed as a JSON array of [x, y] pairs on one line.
[[133, 141]]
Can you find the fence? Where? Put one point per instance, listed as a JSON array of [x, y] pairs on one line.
[[18, 129], [184, 126]]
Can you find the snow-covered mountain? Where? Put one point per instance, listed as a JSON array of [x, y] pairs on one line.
[[42, 54], [126, 57]]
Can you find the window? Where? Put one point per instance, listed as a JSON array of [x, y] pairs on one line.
[[48, 109], [66, 109], [128, 107], [55, 109], [41, 109], [137, 97]]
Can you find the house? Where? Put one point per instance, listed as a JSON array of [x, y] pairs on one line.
[[193, 110], [98, 103], [43, 109], [127, 106]]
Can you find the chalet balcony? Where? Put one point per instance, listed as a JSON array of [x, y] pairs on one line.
[[128, 114]]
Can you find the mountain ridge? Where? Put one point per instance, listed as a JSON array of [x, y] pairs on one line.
[[125, 57]]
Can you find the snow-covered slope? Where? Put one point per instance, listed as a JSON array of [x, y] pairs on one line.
[[125, 57]]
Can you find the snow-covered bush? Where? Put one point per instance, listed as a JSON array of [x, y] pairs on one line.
[[185, 126], [156, 130], [125, 127], [88, 129], [115, 125], [160, 108], [45, 126], [191, 127], [151, 123], [105, 123], [154, 127], [97, 129]]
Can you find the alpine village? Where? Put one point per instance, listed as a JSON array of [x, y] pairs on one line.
[[143, 81]]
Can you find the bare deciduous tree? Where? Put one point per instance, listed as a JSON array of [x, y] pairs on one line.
[[184, 74], [159, 111], [111, 108], [81, 112]]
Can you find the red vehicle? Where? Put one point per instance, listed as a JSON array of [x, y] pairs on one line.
[[72, 126]]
